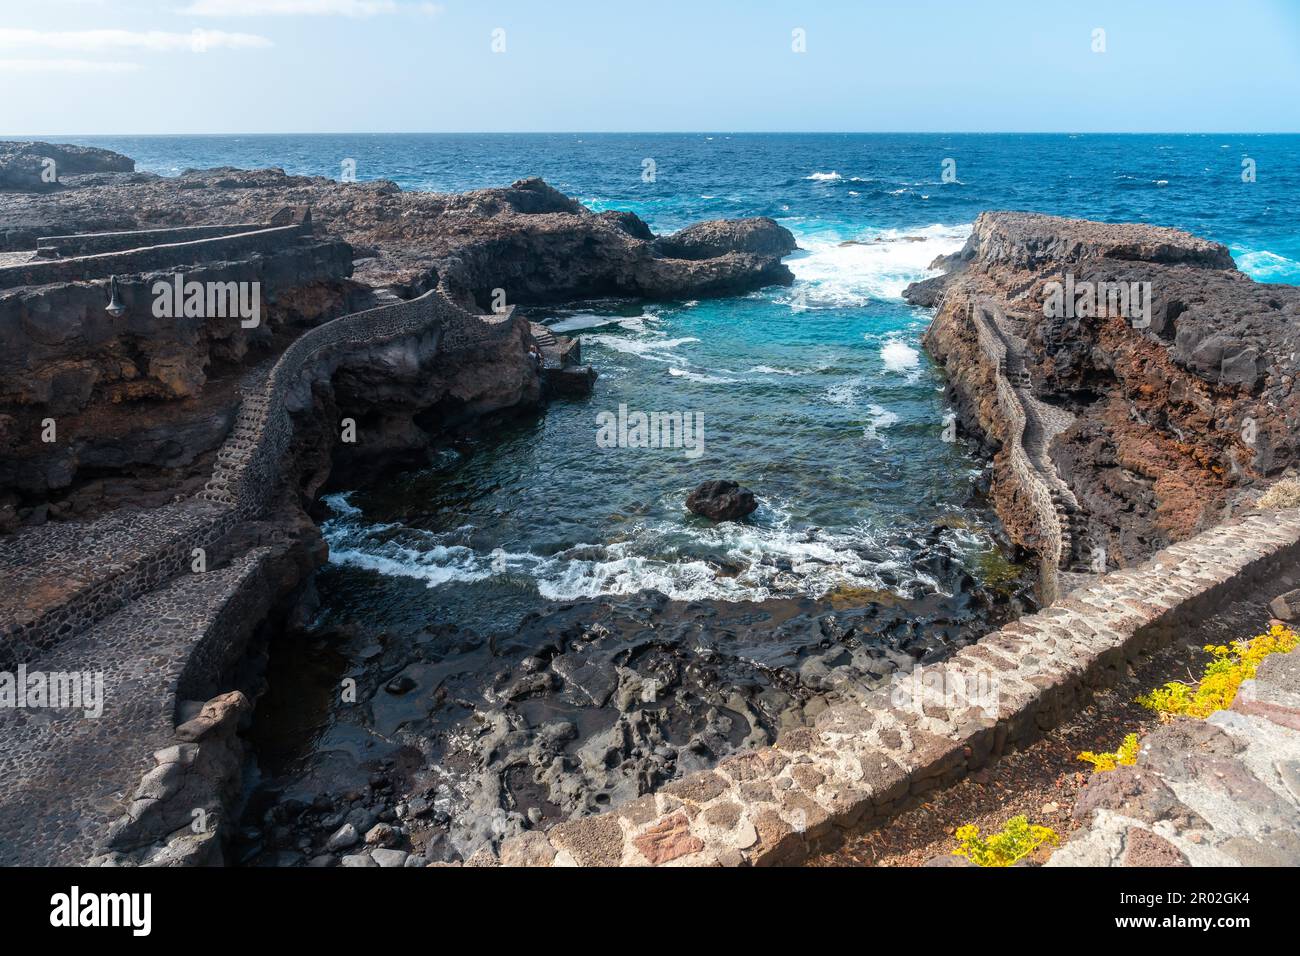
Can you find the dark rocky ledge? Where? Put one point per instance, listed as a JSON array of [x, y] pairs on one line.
[[527, 239], [1153, 433], [176, 435], [45, 167]]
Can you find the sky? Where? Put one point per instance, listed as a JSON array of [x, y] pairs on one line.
[[307, 66]]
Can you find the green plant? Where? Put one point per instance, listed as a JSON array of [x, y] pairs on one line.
[[1231, 664], [1125, 756], [1015, 842]]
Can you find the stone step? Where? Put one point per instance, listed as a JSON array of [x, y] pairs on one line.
[[65, 777]]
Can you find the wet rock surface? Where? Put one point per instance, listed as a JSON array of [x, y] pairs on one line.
[[459, 740], [721, 501]]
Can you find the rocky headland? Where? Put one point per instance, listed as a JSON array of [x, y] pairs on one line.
[[528, 239], [46, 167], [169, 518], [1145, 427]]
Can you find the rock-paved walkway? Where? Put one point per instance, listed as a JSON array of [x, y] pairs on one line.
[[1043, 423], [1224, 791], [64, 776], [74, 573], [547, 345]]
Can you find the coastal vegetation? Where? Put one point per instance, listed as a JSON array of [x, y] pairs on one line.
[[1014, 842], [1230, 666]]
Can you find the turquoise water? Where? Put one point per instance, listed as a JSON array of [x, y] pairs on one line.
[[818, 397]]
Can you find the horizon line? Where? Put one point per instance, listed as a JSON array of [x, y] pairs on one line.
[[701, 132]]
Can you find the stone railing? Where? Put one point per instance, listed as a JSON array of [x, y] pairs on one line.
[[89, 244], [1036, 492], [863, 761], [150, 258], [104, 565], [246, 473]]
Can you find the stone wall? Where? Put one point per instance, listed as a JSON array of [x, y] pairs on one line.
[[1034, 490], [864, 761], [59, 348], [151, 258], [88, 571], [247, 469], [89, 244]]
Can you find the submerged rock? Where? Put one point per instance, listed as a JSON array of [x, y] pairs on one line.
[[721, 501]]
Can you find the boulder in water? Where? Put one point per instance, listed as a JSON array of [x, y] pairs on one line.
[[721, 501]]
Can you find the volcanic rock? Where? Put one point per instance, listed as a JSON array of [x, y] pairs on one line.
[[721, 501], [527, 239], [42, 167], [1167, 424]]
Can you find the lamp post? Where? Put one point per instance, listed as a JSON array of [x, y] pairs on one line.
[[115, 307]]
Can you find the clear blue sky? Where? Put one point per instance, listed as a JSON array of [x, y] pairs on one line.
[[139, 66]]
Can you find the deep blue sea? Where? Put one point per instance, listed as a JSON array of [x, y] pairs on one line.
[[818, 397]]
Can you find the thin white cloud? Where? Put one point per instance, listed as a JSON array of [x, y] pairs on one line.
[[66, 66], [316, 8], [101, 41]]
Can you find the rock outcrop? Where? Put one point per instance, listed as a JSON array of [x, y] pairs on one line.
[[44, 167], [528, 239], [721, 501], [1159, 420]]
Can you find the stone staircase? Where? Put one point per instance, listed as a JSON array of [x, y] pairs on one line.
[[1043, 422], [547, 344]]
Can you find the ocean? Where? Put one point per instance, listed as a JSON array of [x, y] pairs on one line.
[[818, 396], [525, 572]]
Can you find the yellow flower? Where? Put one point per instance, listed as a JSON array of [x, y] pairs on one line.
[[1016, 841], [1231, 666]]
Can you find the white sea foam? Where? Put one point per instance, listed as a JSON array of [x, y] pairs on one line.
[[1264, 266], [844, 393], [340, 504], [824, 177], [701, 377], [836, 274], [578, 323], [654, 349], [773, 560], [898, 356], [770, 370], [881, 418]]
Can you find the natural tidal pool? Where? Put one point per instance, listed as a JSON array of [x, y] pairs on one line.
[[536, 627], [533, 627]]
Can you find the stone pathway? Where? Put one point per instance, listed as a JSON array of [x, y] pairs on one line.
[[1043, 423], [547, 345], [62, 577], [65, 777], [1224, 791]]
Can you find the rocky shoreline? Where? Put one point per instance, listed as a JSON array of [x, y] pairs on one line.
[[146, 407], [394, 311], [1158, 424]]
